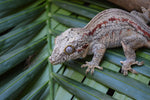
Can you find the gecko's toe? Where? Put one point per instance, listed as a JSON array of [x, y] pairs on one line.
[[87, 70], [90, 67], [133, 71], [140, 63], [127, 66], [121, 62], [125, 70], [84, 65], [98, 67], [92, 70]]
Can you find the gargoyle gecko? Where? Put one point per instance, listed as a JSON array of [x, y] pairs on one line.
[[108, 29]]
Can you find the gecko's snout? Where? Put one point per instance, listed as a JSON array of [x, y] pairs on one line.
[[51, 60]]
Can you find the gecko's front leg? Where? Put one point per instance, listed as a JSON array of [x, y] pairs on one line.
[[98, 50]]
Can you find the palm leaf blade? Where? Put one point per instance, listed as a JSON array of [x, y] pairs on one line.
[[83, 92], [100, 3], [36, 94], [110, 56], [13, 37], [13, 58], [81, 10], [13, 4], [72, 22], [118, 82], [16, 85], [12, 20]]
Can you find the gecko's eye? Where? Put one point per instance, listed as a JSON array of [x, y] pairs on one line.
[[69, 49]]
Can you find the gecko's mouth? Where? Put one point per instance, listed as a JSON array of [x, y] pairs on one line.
[[55, 62], [52, 61]]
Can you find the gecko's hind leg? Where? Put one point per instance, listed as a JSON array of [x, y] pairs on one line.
[[130, 44]]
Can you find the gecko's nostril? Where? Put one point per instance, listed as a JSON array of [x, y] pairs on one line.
[[51, 60]]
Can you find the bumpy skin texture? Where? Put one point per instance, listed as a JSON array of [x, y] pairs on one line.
[[109, 29]]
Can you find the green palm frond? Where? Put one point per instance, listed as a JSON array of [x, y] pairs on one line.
[[27, 32]]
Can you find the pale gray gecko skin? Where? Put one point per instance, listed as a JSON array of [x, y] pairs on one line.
[[109, 29]]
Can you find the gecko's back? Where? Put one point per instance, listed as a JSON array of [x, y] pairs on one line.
[[116, 19]]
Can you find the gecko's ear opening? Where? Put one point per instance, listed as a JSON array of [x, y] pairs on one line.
[[85, 52]]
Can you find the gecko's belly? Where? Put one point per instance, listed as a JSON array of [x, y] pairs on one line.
[[111, 40], [112, 43]]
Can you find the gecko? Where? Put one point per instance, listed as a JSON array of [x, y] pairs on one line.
[[108, 29]]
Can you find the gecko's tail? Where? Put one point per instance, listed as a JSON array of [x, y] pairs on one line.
[[146, 13]]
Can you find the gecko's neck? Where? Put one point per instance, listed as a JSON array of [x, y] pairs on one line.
[[84, 34]]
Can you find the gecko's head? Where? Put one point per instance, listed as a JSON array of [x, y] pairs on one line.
[[70, 45]]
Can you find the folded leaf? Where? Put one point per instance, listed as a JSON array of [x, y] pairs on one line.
[[72, 22], [12, 20], [39, 86], [10, 39], [16, 85], [18, 44], [101, 3], [78, 9], [13, 58], [80, 90], [13, 4], [35, 94], [45, 94]]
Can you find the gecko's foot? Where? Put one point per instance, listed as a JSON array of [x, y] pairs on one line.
[[125, 70], [91, 67], [127, 66]]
